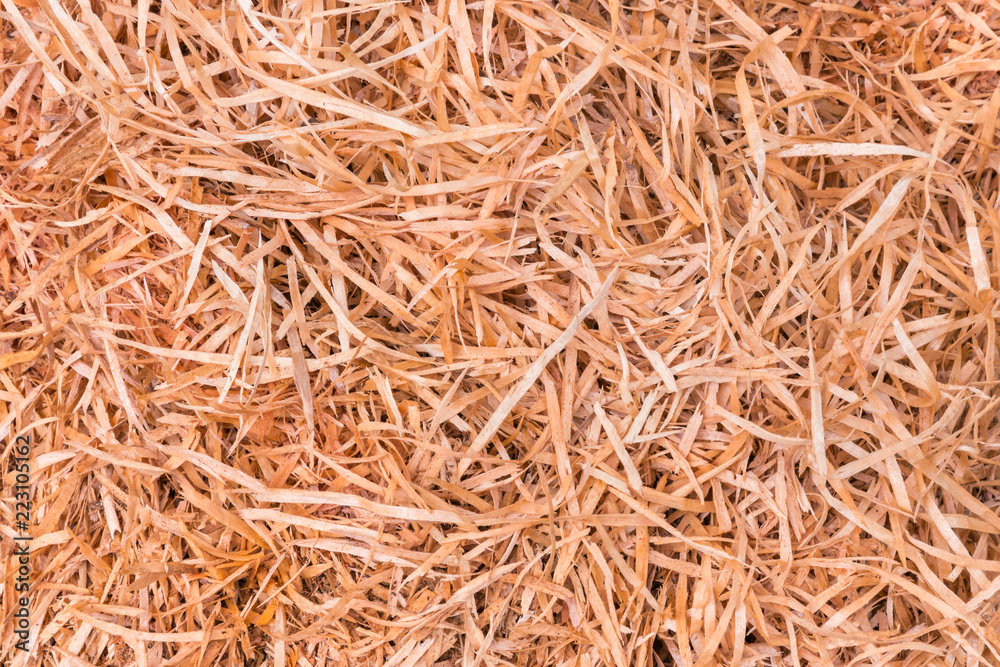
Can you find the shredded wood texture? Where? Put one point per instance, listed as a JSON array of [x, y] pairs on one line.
[[497, 332]]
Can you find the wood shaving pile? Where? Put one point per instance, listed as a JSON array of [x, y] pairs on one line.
[[502, 332]]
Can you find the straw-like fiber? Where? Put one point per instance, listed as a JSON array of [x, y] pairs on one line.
[[502, 332]]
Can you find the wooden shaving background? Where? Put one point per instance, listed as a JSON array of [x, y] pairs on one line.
[[502, 332]]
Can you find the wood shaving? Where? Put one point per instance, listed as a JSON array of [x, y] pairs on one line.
[[479, 332]]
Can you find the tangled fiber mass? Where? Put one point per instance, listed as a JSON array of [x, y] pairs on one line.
[[502, 332]]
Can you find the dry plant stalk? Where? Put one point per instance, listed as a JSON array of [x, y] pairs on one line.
[[503, 332]]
